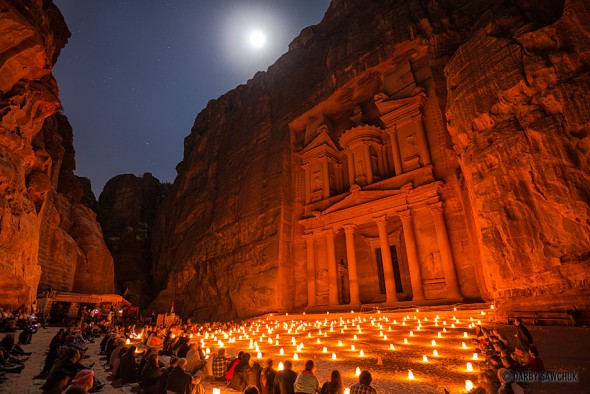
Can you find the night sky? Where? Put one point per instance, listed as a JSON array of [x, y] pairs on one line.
[[135, 74]]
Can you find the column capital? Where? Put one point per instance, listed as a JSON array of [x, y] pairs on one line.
[[405, 215], [381, 220], [309, 235], [329, 232], [437, 207], [349, 228]]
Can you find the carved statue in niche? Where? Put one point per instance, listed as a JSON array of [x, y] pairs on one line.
[[317, 182], [357, 118], [432, 268], [322, 289], [411, 145]]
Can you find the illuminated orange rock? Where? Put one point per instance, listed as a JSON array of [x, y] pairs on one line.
[[32, 33], [398, 153]]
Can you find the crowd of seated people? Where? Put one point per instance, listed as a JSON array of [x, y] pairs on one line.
[[12, 354], [165, 360], [504, 359], [63, 368]]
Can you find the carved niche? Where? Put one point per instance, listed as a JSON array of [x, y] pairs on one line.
[[322, 166], [403, 121]]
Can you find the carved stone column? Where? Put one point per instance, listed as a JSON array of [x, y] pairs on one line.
[[351, 174], [326, 177], [421, 140], [368, 163], [382, 162], [411, 250], [445, 250], [352, 272], [307, 185], [332, 268], [311, 271], [397, 161], [390, 291]]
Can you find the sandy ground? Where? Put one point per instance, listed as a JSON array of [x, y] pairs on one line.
[[562, 348]]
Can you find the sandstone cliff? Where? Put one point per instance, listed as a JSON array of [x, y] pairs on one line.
[[127, 211], [31, 151], [508, 97]]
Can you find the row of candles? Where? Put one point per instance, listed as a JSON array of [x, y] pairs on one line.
[[266, 328]]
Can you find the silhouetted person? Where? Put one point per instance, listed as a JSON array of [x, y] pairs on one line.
[[284, 380], [306, 381], [267, 378], [335, 385], [364, 384], [523, 336]]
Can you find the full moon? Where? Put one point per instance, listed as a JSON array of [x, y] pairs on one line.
[[257, 39]]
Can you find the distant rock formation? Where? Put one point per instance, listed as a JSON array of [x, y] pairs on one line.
[[503, 96], [46, 233], [127, 210]]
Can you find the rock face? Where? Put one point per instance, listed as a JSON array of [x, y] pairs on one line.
[[44, 230], [498, 139], [72, 252], [127, 212], [518, 111]]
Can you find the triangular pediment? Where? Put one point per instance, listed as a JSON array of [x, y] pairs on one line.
[[323, 138], [386, 105], [358, 197]]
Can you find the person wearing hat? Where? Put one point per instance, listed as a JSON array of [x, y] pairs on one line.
[[83, 380]]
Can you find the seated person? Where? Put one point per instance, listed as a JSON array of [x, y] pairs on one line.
[[534, 364]]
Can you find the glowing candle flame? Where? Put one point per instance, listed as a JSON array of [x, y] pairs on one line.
[[410, 374], [295, 356], [354, 337], [468, 385], [346, 391], [406, 341], [339, 343], [281, 352], [325, 350], [463, 345], [475, 356], [362, 353], [465, 334], [469, 367], [435, 353], [385, 337], [391, 347], [127, 342], [439, 335], [424, 358], [333, 356], [351, 347], [281, 366], [259, 355], [433, 342], [358, 371], [411, 333], [216, 391], [207, 351]]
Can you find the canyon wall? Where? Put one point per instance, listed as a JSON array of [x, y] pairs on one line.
[[507, 88], [45, 229], [518, 110], [127, 210]]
